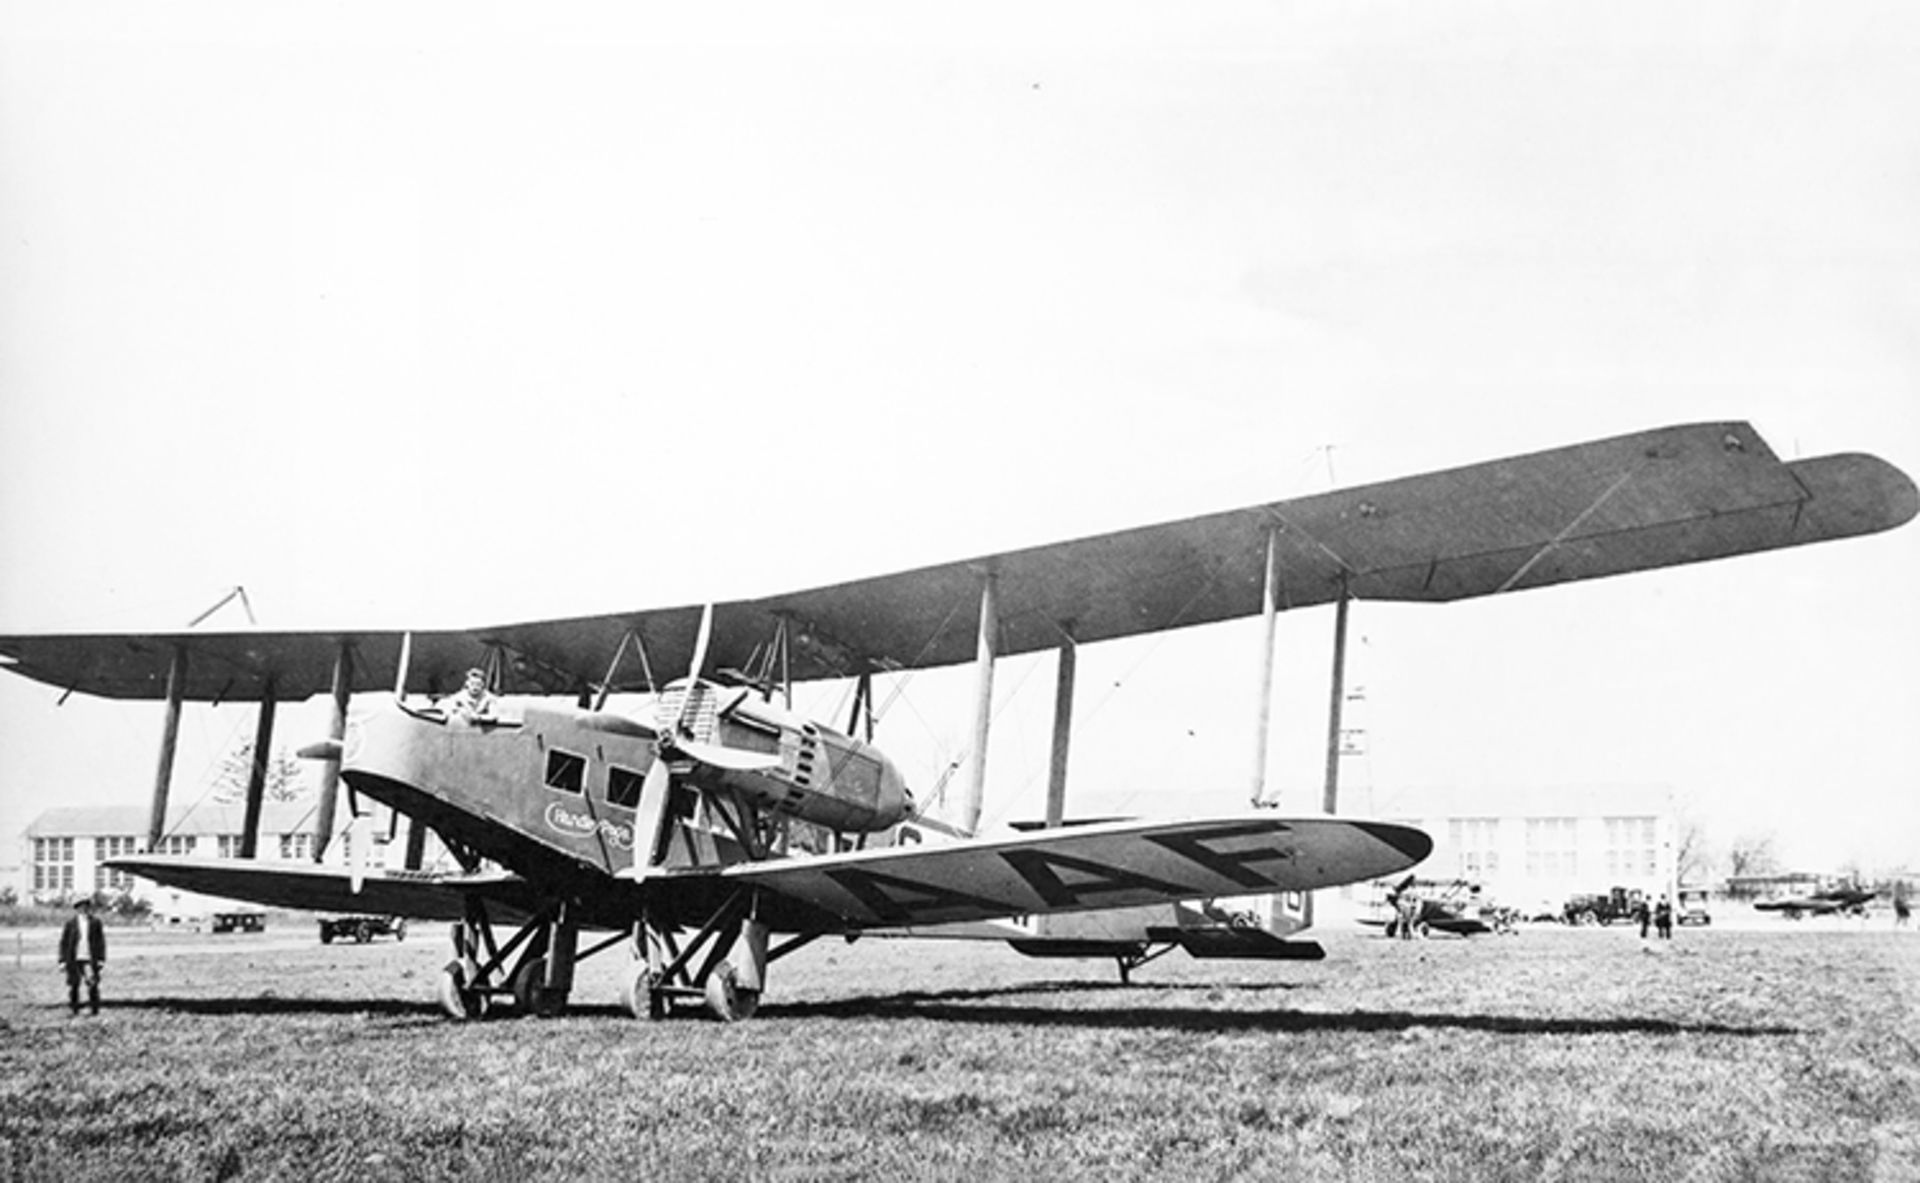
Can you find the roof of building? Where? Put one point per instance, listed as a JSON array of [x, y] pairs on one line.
[[113, 821]]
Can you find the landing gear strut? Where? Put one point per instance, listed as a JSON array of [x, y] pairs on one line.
[[541, 978], [665, 975]]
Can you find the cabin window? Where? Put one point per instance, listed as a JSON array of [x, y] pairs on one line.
[[566, 771], [623, 786]]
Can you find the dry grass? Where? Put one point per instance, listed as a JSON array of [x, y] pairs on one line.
[[1552, 1055]]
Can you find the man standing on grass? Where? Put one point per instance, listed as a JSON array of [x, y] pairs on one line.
[[83, 950]]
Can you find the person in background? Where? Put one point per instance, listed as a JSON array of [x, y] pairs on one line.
[[83, 950]]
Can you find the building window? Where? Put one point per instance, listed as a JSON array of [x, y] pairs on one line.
[[1633, 847], [1552, 850], [229, 846], [1476, 846], [106, 848], [52, 866], [296, 846], [175, 844]]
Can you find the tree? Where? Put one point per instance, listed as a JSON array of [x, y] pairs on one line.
[[283, 776], [1752, 854], [1692, 860]]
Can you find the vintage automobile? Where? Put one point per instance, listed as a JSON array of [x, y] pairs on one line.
[[362, 928]]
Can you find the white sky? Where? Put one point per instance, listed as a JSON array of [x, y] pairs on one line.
[[432, 315]]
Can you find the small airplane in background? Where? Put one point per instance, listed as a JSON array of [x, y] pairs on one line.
[[1455, 907], [1851, 900], [719, 831]]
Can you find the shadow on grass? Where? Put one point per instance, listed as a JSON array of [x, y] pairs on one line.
[[990, 1006], [983, 1007], [381, 1008]]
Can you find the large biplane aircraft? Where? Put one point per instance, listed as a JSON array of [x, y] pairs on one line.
[[717, 830]]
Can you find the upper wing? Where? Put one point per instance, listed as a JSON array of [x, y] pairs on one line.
[[1079, 868], [1653, 499], [417, 895]]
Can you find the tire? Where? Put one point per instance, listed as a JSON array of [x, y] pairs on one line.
[[725, 999], [362, 932], [456, 999], [638, 991], [326, 933], [530, 991], [399, 930]]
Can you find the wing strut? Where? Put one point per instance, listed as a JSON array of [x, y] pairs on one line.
[[257, 774], [1062, 726], [169, 742], [1330, 800], [982, 705], [330, 767], [1270, 612]]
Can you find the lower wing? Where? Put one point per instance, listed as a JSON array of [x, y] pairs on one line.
[[416, 895], [1082, 868]]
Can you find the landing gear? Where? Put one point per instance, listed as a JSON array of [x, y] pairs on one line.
[[664, 974], [540, 979]]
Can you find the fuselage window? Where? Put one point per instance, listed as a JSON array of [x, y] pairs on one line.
[[623, 786], [566, 771]]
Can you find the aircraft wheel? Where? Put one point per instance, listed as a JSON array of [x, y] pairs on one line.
[[456, 998], [399, 930], [640, 993], [326, 933], [728, 1002], [1423, 930], [362, 933], [530, 991]]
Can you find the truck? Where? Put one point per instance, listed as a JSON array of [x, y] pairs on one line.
[[1602, 908]]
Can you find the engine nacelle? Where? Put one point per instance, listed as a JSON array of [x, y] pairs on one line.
[[813, 773]]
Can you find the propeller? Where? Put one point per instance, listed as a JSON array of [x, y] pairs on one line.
[[650, 812]]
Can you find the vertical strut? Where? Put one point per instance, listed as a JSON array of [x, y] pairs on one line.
[[982, 705], [257, 775], [1270, 613], [1062, 727], [1331, 796], [330, 770], [169, 741]]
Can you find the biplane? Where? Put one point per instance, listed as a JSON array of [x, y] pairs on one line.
[[1850, 900], [717, 830]]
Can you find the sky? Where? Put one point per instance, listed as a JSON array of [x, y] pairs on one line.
[[433, 315]]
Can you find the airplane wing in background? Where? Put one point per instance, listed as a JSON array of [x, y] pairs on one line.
[[1652, 499]]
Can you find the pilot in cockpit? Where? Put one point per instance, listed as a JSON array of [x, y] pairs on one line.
[[472, 701]]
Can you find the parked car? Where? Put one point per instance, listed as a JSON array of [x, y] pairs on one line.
[[1693, 907], [362, 928]]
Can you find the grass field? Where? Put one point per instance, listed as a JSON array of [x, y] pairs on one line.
[[1772, 1054]]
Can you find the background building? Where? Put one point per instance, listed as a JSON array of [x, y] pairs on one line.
[[65, 849], [1533, 848]]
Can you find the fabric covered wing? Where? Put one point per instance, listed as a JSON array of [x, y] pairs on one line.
[[1653, 499], [1113, 864], [304, 886]]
